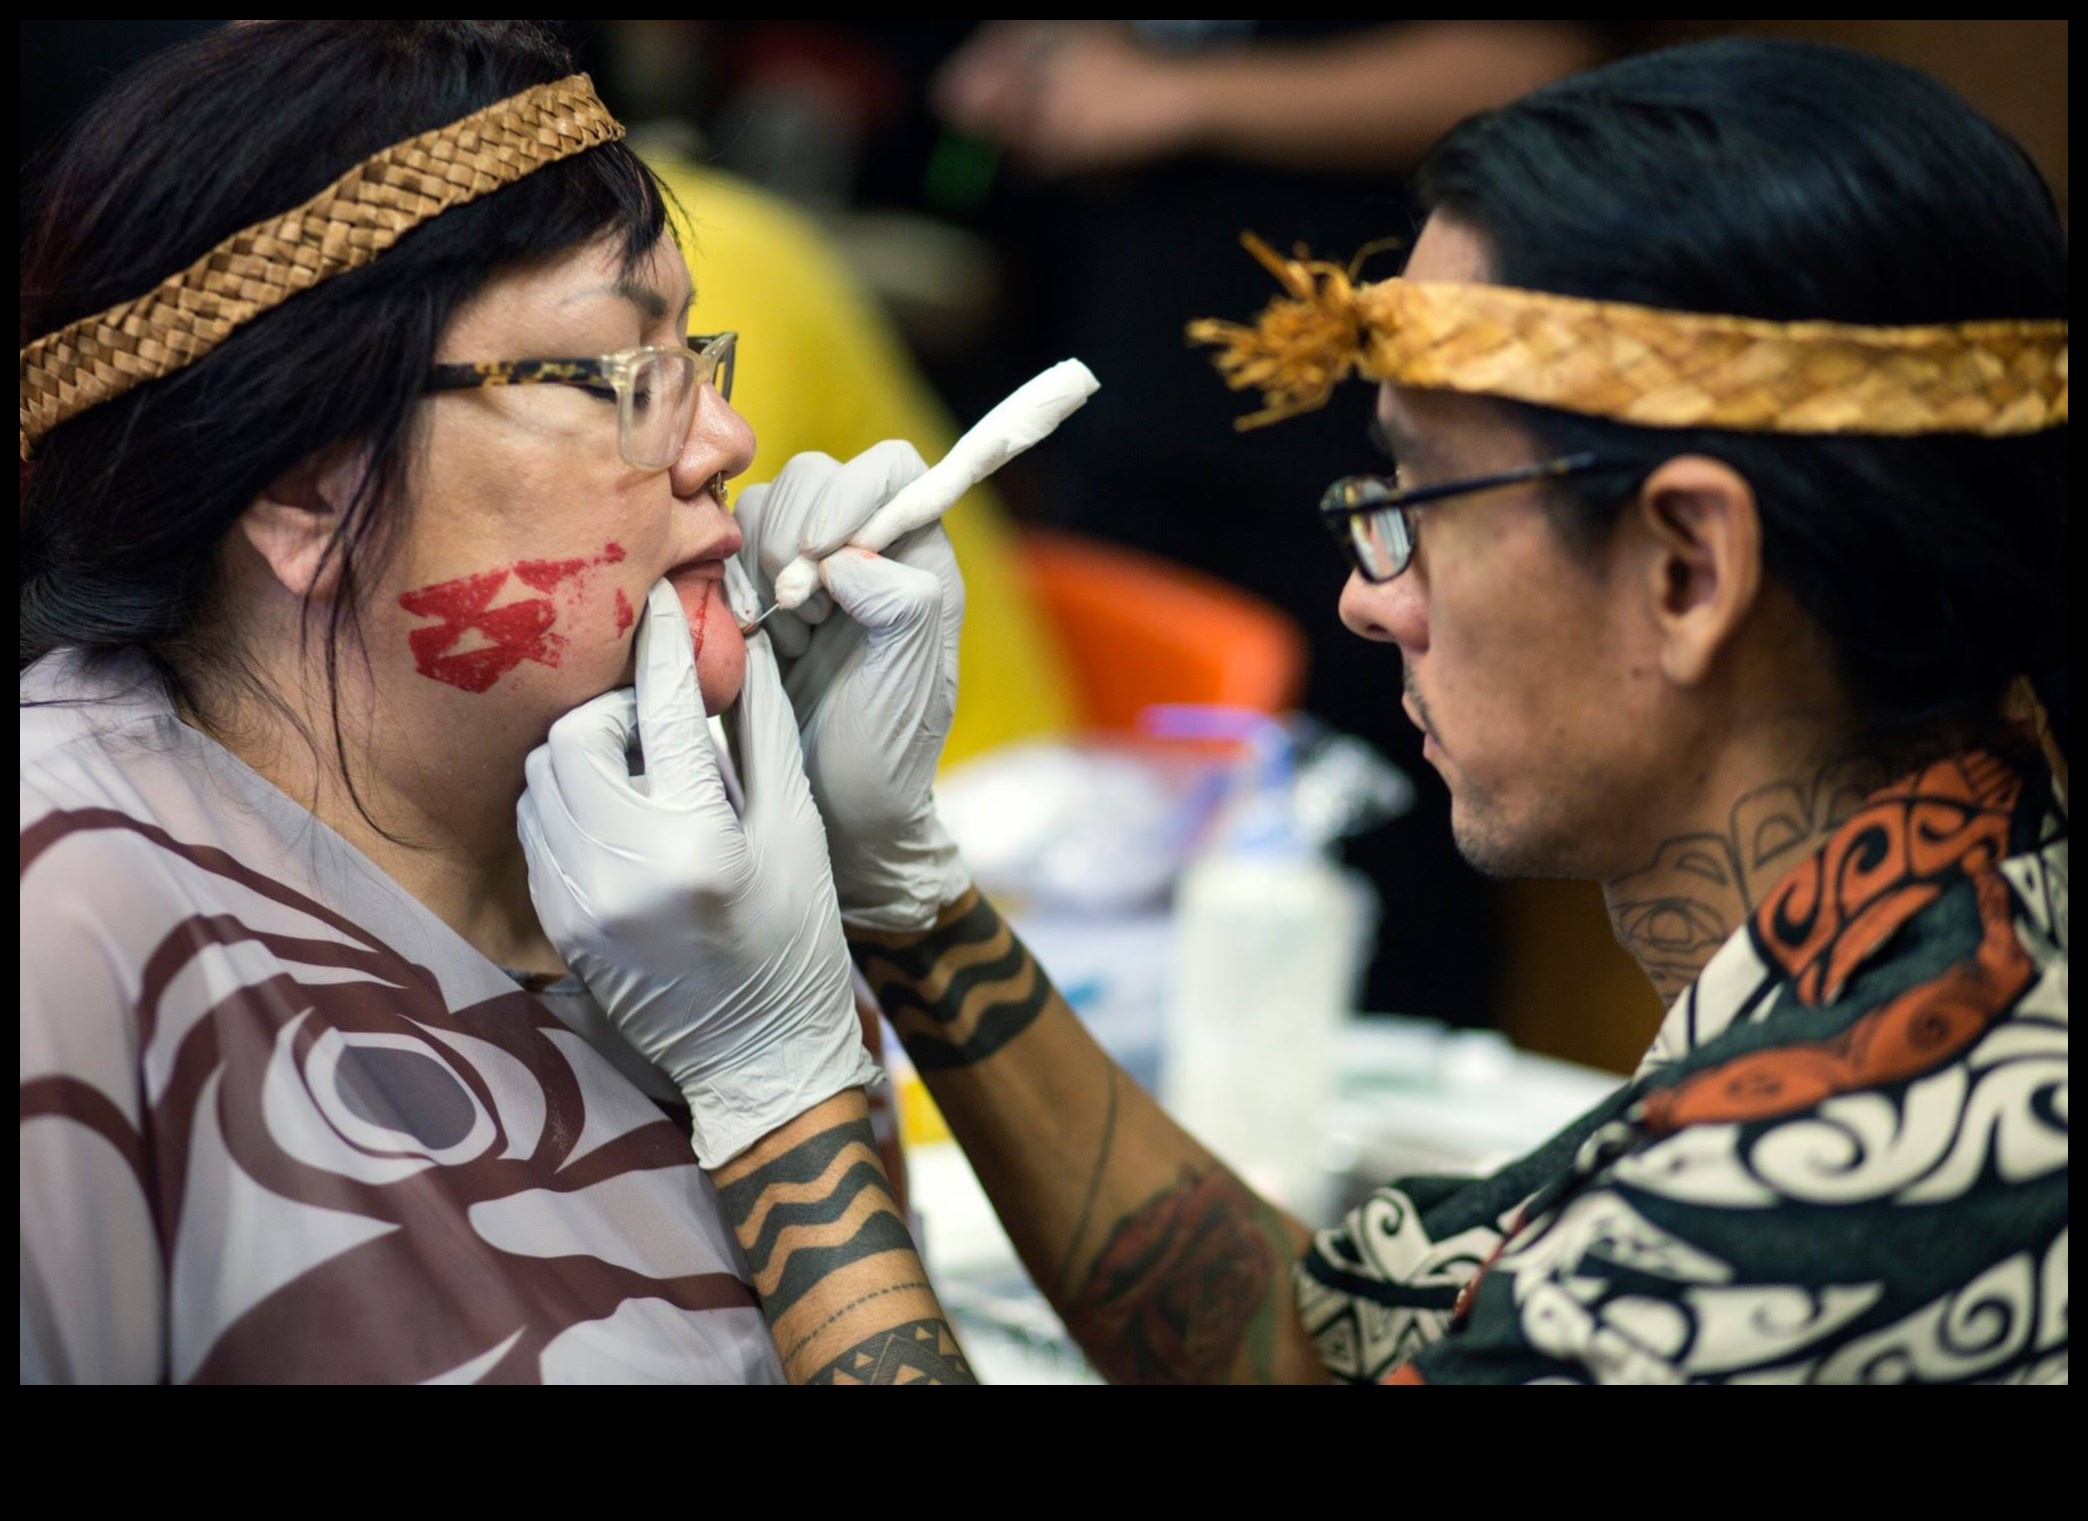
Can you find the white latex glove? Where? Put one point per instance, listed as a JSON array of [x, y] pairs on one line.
[[874, 690], [712, 940]]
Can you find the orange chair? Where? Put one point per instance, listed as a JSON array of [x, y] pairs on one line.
[[1137, 630]]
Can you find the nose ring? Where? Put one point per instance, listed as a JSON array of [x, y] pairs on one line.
[[719, 490]]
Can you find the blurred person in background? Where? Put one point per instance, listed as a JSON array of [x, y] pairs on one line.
[[1147, 143], [1089, 97]]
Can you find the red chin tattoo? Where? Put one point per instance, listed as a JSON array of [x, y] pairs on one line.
[[721, 652]]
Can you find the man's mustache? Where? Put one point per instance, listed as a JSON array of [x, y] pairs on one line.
[[1413, 697]]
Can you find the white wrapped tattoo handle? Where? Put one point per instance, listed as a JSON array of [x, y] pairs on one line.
[[1028, 415]]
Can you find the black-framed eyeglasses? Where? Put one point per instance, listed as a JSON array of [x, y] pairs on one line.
[[655, 388], [1369, 515]]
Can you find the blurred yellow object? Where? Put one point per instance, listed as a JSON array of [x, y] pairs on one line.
[[821, 367], [920, 1122]]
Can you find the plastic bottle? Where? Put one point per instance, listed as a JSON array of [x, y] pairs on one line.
[[1268, 933]]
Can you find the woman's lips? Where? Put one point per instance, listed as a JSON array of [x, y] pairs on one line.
[[693, 581]]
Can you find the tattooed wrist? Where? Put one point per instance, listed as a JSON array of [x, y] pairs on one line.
[[959, 992], [907, 1286], [818, 1208], [918, 1352], [832, 1260]]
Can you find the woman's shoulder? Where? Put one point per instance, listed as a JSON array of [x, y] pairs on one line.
[[110, 778], [136, 827], [81, 716]]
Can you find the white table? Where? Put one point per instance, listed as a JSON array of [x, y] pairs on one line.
[[1413, 1096]]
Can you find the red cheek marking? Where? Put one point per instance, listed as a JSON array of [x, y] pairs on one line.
[[517, 632], [546, 574], [514, 633]]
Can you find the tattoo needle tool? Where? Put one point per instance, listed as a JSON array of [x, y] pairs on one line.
[[1029, 414]]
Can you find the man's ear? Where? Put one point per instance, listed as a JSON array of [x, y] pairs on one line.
[[1705, 569], [291, 522]]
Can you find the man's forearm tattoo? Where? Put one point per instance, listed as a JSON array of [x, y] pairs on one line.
[[1182, 1284], [820, 1207], [1062, 1280], [819, 1217], [1674, 912], [918, 1352], [791, 1352], [958, 993]]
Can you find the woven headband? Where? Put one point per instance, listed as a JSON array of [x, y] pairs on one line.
[[1636, 364], [343, 227]]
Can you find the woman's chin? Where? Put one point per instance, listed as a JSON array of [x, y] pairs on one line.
[[721, 664], [721, 649]]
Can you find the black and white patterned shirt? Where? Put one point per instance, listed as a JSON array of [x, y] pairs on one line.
[[1843, 1160]]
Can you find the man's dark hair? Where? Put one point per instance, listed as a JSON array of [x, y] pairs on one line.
[[126, 507], [1787, 181]]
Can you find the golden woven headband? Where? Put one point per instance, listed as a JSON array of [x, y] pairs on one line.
[[343, 227], [1636, 364]]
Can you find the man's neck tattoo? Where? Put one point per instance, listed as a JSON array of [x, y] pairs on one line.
[[1679, 908]]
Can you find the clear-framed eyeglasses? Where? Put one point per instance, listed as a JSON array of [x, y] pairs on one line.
[[1371, 516], [655, 388]]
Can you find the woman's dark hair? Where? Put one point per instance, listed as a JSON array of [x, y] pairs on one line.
[[125, 507], [1785, 181]]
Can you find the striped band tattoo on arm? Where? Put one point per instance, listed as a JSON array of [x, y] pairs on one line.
[[958, 993], [816, 1210], [834, 1263]]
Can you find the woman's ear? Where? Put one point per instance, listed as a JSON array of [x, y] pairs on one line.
[[1705, 571], [296, 516]]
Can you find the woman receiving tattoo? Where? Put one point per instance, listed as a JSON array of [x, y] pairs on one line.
[[1721, 548], [368, 460]]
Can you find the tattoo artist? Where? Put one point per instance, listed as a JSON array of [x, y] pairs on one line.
[[1725, 389]]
